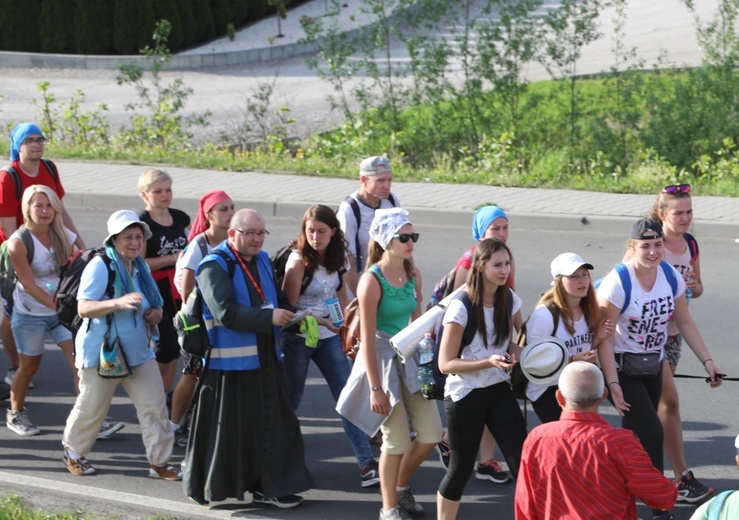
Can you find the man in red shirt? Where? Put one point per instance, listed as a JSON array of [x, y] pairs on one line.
[[26, 152], [581, 467]]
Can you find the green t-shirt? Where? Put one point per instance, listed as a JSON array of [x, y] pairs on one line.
[[396, 305], [728, 511]]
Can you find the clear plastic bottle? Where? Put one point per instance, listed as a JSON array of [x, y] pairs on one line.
[[334, 307], [153, 336], [426, 365]]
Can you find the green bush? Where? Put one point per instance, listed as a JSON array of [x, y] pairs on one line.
[[258, 9], [221, 12], [16, 35], [56, 26], [187, 18], [167, 10], [94, 26], [240, 11], [205, 29]]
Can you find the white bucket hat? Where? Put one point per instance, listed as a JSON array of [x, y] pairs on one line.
[[122, 219], [543, 360]]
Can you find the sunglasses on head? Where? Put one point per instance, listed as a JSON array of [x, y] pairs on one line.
[[672, 189], [405, 237]]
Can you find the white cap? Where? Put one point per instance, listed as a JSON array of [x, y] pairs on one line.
[[567, 263], [122, 219], [543, 360]]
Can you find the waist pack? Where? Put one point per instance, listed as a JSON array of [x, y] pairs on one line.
[[645, 365]]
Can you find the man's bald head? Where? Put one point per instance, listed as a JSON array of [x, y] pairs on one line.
[[581, 386]]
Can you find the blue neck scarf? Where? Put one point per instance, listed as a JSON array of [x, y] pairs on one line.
[[124, 282]]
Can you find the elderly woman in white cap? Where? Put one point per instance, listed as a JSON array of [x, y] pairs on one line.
[[381, 390], [124, 318], [477, 353], [569, 312]]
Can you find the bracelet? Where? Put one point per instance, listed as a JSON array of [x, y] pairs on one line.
[[376, 388], [614, 383], [706, 361]]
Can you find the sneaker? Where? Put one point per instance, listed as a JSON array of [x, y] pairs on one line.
[[370, 474], [664, 516], [444, 452], [396, 513], [285, 502], [109, 427], [407, 501], [20, 423], [166, 472], [79, 467], [10, 374], [492, 471], [691, 490], [199, 501], [180, 436], [4, 391]]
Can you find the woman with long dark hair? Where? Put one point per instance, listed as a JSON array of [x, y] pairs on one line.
[[477, 393], [320, 256]]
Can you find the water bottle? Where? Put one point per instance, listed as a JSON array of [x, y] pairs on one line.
[[334, 307], [689, 290], [426, 365], [154, 336]]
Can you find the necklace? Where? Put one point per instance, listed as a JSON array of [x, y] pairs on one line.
[[388, 275]]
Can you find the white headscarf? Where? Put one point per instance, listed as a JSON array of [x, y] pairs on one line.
[[386, 223]]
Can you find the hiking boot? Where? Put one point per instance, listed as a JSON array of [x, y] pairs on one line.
[[285, 502], [79, 467], [408, 503], [108, 428], [4, 391], [492, 471], [166, 472], [180, 436], [445, 454], [10, 374], [396, 513], [691, 490], [370, 474], [20, 423]]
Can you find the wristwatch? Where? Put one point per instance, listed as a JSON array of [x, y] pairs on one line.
[[376, 388]]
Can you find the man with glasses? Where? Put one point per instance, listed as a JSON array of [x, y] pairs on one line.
[[244, 436], [27, 167], [357, 210]]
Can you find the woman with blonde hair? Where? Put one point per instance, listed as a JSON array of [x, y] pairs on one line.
[[568, 311], [34, 311], [169, 229]]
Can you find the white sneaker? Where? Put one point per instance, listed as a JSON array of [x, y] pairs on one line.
[[20, 423], [109, 427], [10, 374]]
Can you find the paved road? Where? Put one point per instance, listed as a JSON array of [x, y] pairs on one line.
[[32, 467]]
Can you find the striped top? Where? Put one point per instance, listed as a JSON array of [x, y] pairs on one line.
[[581, 467]]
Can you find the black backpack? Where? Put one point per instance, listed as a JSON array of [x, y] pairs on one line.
[[8, 280], [279, 262], [192, 334], [17, 179], [69, 284], [358, 217], [467, 336]]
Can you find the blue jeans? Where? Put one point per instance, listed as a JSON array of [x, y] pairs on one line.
[[329, 357]]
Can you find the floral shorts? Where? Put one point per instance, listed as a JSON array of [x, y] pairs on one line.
[[673, 349]]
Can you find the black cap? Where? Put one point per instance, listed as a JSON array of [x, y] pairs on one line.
[[646, 229]]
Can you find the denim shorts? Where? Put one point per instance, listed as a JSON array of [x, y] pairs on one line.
[[31, 331]]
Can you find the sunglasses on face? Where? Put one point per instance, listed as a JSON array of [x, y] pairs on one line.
[[405, 237], [672, 189]]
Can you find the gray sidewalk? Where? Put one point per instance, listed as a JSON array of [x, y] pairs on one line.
[[105, 185]]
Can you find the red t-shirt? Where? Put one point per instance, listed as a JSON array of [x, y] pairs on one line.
[[10, 205]]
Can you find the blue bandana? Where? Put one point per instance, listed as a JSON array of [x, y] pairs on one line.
[[483, 218], [18, 135]]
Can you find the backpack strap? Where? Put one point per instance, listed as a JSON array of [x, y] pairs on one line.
[[692, 246], [470, 329], [358, 217], [392, 199], [623, 273], [27, 240], [670, 275], [52, 170], [202, 243], [10, 170], [229, 262]]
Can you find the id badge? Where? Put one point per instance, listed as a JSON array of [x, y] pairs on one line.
[[267, 305]]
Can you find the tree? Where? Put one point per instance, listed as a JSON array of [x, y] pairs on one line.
[[205, 28], [240, 11], [221, 11], [133, 22], [56, 26], [93, 32], [280, 13], [17, 34], [167, 10]]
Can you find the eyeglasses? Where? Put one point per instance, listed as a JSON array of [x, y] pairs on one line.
[[251, 233], [672, 189], [34, 140], [405, 237]]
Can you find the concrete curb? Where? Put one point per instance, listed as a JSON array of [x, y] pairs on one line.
[[421, 215]]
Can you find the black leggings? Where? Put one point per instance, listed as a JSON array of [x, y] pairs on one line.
[[493, 406], [643, 396], [546, 407]]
